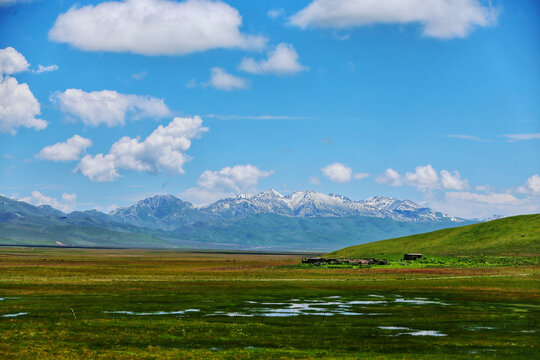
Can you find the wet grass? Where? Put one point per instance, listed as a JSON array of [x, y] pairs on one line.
[[68, 295]]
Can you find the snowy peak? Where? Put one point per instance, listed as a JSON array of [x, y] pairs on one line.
[[314, 204]]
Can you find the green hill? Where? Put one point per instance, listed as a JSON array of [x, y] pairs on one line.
[[517, 235]]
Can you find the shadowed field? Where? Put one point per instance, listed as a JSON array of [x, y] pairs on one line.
[[139, 304]]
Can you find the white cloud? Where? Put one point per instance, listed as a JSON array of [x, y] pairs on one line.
[[314, 180], [338, 172], [221, 80], [360, 176], [465, 137], [424, 178], [162, 150], [108, 106], [439, 18], [18, 107], [154, 27], [521, 137], [65, 151], [42, 69], [490, 198], [275, 13], [38, 199], [199, 196], [282, 60], [99, 168], [236, 178], [69, 197], [12, 61], [453, 182], [341, 173], [215, 185], [471, 205], [531, 187], [390, 177]]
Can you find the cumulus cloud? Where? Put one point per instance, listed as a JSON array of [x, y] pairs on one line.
[[12, 61], [341, 173], [282, 60], [18, 107], [531, 187], [521, 137], [215, 185], [424, 178], [42, 69], [162, 150], [390, 177], [236, 178], [154, 27], [453, 182], [221, 80], [439, 18], [108, 107], [71, 149], [38, 199]]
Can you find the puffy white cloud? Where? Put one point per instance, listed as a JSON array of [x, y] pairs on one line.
[[338, 172], [162, 150], [282, 60], [42, 69], [390, 177], [108, 107], [99, 168], [221, 80], [153, 27], [215, 185], [341, 173], [12, 61], [236, 178], [453, 182], [38, 199], [521, 137], [439, 18], [424, 178], [71, 149], [531, 187], [18, 107]]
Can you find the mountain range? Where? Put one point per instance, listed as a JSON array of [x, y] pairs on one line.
[[304, 220]]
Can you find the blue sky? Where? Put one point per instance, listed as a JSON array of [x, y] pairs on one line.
[[434, 101]]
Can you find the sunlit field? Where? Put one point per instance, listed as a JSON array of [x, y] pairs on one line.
[[135, 304]]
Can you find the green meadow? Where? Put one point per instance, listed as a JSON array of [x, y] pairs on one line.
[[151, 304]]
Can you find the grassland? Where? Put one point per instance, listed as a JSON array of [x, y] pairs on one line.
[[512, 236], [131, 304]]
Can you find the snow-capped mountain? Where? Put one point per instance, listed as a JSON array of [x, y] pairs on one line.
[[314, 204]]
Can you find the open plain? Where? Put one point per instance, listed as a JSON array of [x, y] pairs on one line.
[[145, 304]]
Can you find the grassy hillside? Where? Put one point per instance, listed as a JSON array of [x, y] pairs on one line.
[[517, 235]]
